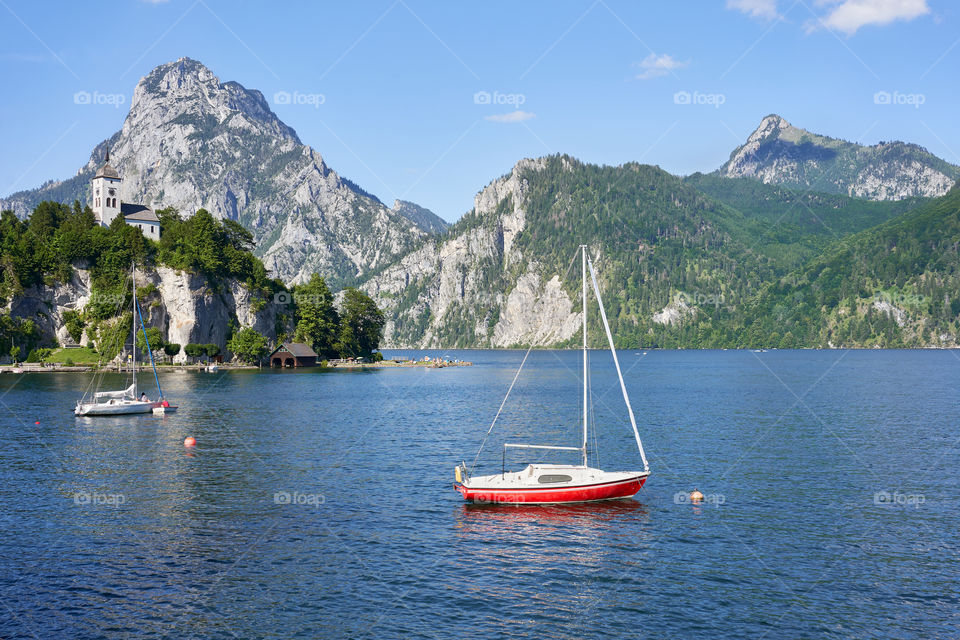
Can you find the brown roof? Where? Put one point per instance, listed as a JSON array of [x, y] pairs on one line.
[[137, 212], [297, 349], [106, 171]]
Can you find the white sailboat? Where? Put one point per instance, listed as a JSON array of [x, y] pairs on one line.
[[560, 483], [126, 401]]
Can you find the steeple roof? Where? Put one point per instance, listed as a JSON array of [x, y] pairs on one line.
[[106, 171]]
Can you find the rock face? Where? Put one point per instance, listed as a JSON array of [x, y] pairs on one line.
[[182, 305], [191, 141], [421, 216], [46, 306], [451, 291], [779, 153], [674, 312]]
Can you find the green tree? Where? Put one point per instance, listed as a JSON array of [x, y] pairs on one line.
[[361, 325], [248, 345], [154, 335], [204, 243], [74, 324], [194, 350], [317, 318], [15, 353], [211, 350], [171, 349]]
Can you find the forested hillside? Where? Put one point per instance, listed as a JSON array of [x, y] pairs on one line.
[[897, 285], [695, 263]]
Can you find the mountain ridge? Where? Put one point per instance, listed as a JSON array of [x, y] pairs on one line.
[[777, 152]]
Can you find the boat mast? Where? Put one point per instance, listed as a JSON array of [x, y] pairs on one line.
[[583, 252], [133, 323], [146, 341]]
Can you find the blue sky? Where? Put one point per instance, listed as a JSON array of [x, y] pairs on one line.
[[394, 94]]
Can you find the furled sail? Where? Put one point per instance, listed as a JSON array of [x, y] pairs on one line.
[[116, 395]]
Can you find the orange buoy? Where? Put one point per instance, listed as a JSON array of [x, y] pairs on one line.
[[189, 441], [696, 496]]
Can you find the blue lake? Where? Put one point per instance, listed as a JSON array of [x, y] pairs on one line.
[[321, 505]]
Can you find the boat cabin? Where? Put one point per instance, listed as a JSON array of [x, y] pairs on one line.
[[293, 355]]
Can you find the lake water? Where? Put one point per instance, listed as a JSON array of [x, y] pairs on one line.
[[320, 505]]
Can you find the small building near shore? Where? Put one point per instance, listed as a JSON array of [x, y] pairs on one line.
[[294, 355]]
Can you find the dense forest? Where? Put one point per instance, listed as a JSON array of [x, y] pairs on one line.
[[895, 285]]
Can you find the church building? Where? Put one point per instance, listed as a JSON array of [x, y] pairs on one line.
[[108, 203]]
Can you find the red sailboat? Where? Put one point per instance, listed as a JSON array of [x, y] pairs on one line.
[[559, 483]]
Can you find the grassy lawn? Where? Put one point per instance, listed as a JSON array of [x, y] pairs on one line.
[[76, 356]]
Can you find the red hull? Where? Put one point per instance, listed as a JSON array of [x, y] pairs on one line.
[[546, 495]]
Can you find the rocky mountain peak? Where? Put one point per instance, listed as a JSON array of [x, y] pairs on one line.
[[770, 126], [420, 216], [186, 87], [779, 153]]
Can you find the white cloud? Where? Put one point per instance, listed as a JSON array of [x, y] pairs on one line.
[[850, 15], [513, 116], [763, 9], [655, 66]]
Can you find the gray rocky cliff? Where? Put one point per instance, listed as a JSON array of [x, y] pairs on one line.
[[442, 295], [184, 306]]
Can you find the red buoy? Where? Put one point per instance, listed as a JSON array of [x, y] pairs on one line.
[[189, 441], [37, 422]]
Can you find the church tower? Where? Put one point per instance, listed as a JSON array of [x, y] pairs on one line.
[[105, 190]]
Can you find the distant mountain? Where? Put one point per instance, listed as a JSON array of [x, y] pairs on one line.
[[190, 141], [421, 216], [895, 285], [779, 153], [503, 275]]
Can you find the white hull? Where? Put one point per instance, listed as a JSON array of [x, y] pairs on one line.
[[162, 409], [114, 408]]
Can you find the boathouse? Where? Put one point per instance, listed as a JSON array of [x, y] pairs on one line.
[[293, 354]]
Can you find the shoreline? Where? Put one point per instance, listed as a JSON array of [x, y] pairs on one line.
[[385, 364]]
